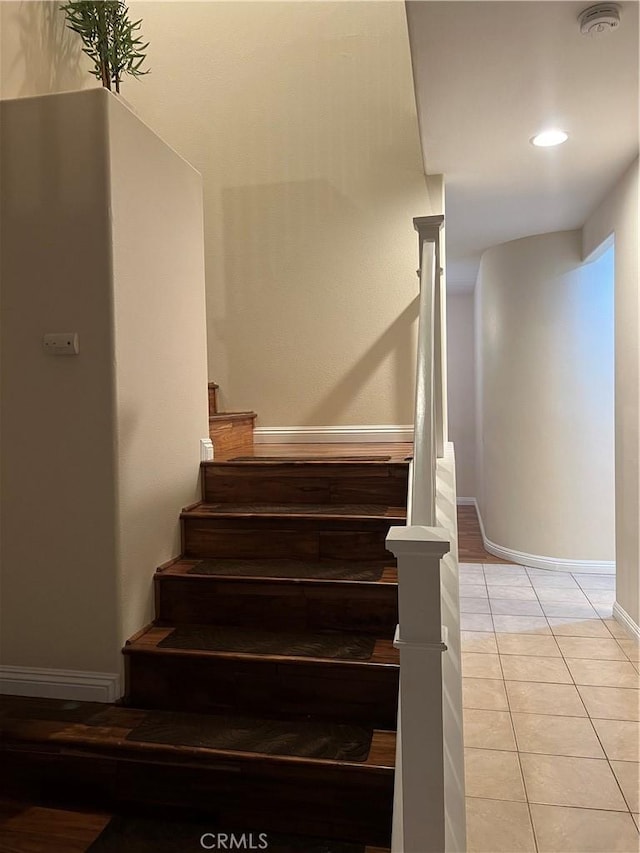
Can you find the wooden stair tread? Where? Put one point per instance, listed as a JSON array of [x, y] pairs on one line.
[[232, 416], [249, 644], [178, 736], [307, 572], [293, 511]]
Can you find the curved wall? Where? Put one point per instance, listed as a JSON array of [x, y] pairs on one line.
[[545, 408]]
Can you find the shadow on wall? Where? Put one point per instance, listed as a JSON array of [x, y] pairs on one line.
[[302, 271], [50, 53]]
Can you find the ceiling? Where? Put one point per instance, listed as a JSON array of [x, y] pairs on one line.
[[489, 75]]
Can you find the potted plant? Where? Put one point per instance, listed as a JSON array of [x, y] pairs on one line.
[[110, 39]]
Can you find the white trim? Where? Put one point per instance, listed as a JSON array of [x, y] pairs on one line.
[[330, 434], [206, 450], [537, 561], [467, 502], [622, 617], [60, 683]]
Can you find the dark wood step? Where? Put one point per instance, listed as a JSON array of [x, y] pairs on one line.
[[303, 481], [114, 756], [301, 533], [214, 669], [231, 433], [363, 596]]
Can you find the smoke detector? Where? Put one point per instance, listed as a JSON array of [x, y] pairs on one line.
[[599, 19]]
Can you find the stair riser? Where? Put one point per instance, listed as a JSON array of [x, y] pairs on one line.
[[340, 802], [283, 539], [370, 608], [231, 438], [327, 690], [305, 484]]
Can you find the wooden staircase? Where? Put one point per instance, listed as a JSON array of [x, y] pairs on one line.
[[265, 693]]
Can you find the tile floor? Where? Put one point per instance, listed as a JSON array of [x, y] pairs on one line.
[[551, 694]]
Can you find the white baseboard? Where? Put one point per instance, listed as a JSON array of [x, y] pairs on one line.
[[332, 434], [466, 502], [60, 684], [537, 561], [621, 616]]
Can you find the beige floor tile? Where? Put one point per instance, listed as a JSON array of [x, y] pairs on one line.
[[474, 605], [556, 735], [473, 590], [590, 649], [535, 698], [530, 668], [540, 577], [506, 579], [554, 593], [481, 665], [596, 581], [527, 644], [600, 596], [620, 739], [611, 703], [557, 780], [475, 622], [478, 641], [521, 625], [603, 673], [616, 629], [498, 826], [488, 729], [566, 627], [493, 774], [631, 648], [636, 818], [569, 830], [485, 693], [567, 608], [628, 776], [510, 607], [513, 593]]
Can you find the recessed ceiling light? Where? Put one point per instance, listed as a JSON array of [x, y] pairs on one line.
[[549, 137]]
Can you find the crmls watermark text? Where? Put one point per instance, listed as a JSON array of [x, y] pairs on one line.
[[231, 841]]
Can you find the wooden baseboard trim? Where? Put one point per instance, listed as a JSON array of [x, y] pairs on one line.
[[60, 684], [333, 434], [537, 561], [621, 616]]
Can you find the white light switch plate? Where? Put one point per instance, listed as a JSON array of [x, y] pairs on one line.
[[62, 343]]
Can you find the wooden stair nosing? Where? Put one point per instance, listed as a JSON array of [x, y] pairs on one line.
[[232, 416], [180, 568], [385, 656], [370, 513]]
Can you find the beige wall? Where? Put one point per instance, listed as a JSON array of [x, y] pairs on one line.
[[59, 586], [545, 390], [462, 388], [160, 347], [101, 234], [301, 118], [617, 214], [38, 53]]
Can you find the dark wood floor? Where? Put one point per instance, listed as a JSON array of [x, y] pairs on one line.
[[27, 828]]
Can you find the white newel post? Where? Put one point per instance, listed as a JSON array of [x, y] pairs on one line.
[[419, 551]]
